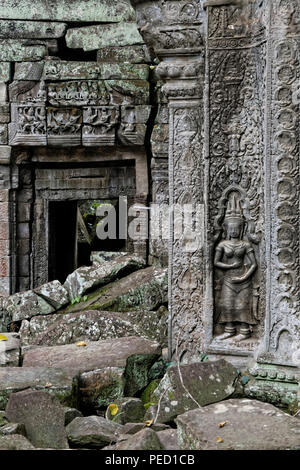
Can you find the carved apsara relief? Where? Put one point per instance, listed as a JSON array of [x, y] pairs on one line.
[[236, 173], [236, 296]]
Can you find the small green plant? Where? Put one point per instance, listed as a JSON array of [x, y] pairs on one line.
[[147, 405], [79, 299]]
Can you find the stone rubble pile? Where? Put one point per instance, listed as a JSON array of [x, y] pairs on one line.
[[93, 374]]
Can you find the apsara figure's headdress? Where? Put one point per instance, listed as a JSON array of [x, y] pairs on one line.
[[234, 211]]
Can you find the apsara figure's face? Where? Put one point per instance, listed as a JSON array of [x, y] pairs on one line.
[[234, 228]]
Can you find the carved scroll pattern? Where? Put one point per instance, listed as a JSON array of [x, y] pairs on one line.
[[187, 257], [284, 143]]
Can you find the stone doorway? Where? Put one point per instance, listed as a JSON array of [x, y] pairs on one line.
[[51, 187]]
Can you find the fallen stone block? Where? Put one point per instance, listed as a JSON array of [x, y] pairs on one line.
[[146, 439], [70, 414], [15, 442], [99, 257], [54, 294], [93, 325], [238, 425], [137, 373], [146, 289], [95, 355], [26, 305], [168, 439], [42, 415], [128, 410], [89, 277], [202, 382], [99, 388], [62, 384], [13, 428], [10, 350], [92, 432], [133, 428]]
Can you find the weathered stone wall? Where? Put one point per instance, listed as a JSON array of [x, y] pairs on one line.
[[74, 75]]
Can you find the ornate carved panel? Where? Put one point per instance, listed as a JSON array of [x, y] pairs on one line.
[[78, 93], [28, 125], [283, 145], [64, 126], [235, 297], [100, 125], [133, 124]]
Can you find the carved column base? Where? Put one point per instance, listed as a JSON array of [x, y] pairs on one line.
[[274, 384]]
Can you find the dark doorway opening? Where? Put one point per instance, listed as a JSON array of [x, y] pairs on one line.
[[73, 235], [62, 239]]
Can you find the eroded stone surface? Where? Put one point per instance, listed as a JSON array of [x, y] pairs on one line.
[[42, 415], [206, 382], [94, 37], [15, 442], [87, 278], [101, 387], [27, 305], [92, 432], [18, 50], [93, 325], [68, 70], [168, 439], [31, 29], [60, 383], [10, 350], [146, 439], [247, 425], [123, 54], [67, 10], [129, 410], [95, 355], [54, 294]]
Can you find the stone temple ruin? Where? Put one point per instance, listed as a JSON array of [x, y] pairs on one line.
[[184, 116]]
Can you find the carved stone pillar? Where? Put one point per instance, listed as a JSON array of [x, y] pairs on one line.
[[174, 30], [234, 154]]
